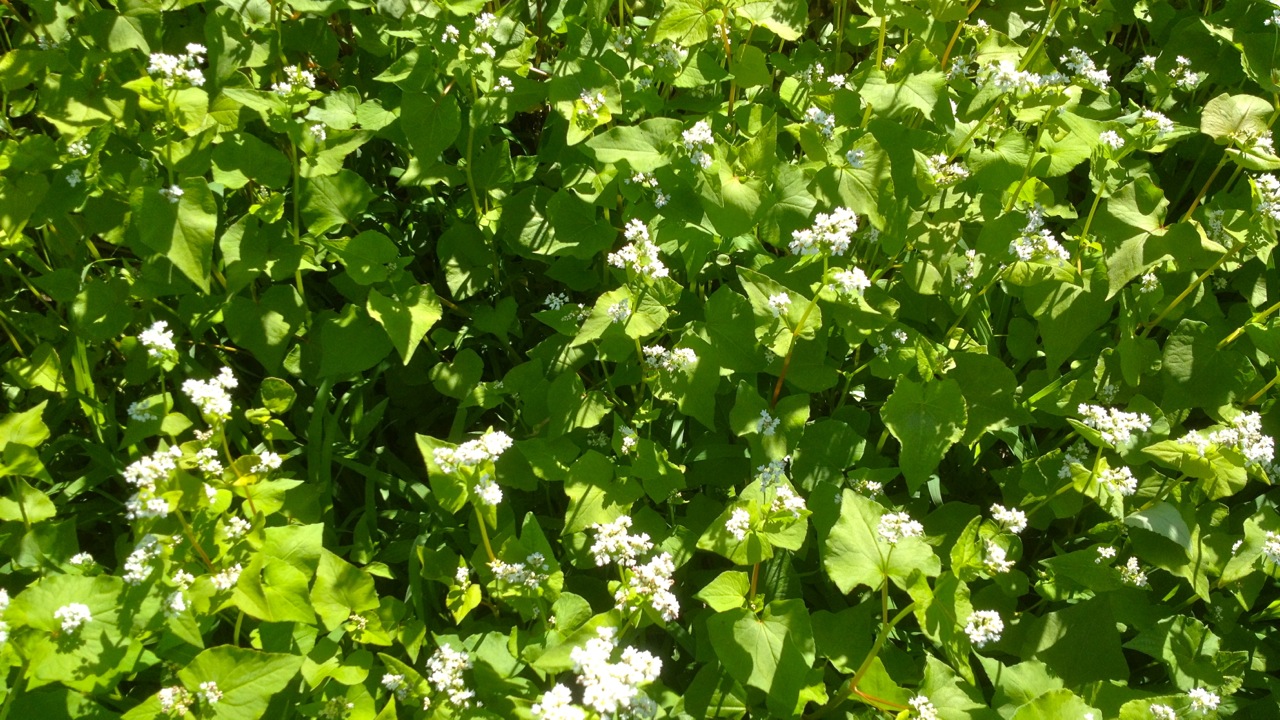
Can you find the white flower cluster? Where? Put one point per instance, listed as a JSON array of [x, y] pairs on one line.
[[1271, 547], [615, 545], [79, 148], [173, 194], [645, 180], [1162, 124], [1268, 195], [396, 685], [267, 461], [942, 172], [855, 158], [487, 490], [922, 708], [73, 616], [772, 472], [175, 700], [557, 704], [1182, 74], [591, 104], [898, 526], [211, 395], [696, 140], [505, 85], [531, 573], [608, 687], [471, 454], [984, 626], [671, 361], [1119, 481], [1015, 521], [768, 424], [1106, 552], [997, 560], [144, 474], [1163, 712], [176, 603], [650, 583], [83, 559], [1202, 700], [209, 693], [620, 311], [1037, 242], [1244, 435], [1111, 139], [1116, 426], [296, 80], [1132, 573], [825, 122], [208, 462], [555, 301], [852, 281], [779, 303], [1149, 283], [1075, 455], [830, 233], [641, 256], [668, 56], [227, 579], [1084, 68], [171, 70], [1005, 76], [786, 501], [139, 565], [629, 439], [4, 626], [157, 339], [444, 672], [738, 524]]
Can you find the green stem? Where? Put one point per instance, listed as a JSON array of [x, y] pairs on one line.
[[1039, 41], [851, 687], [795, 333], [755, 581], [484, 533], [1200, 195], [1258, 395], [1192, 287], [1259, 317], [884, 30], [1026, 170], [946, 55], [973, 131]]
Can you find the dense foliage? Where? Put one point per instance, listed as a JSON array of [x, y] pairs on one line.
[[566, 359]]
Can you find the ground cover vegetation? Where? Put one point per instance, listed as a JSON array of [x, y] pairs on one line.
[[570, 359]]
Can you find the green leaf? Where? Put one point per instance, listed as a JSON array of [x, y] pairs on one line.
[[644, 147], [686, 22], [340, 590], [1198, 374], [594, 496], [406, 318], [247, 679], [266, 326], [365, 256], [181, 231], [24, 428], [1080, 643], [927, 418], [727, 592], [854, 554], [1055, 705], [785, 18], [242, 157], [330, 201], [1234, 115], [773, 652], [430, 124]]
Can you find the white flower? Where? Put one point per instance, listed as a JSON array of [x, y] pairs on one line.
[[620, 311], [1132, 573], [1106, 552], [1147, 63], [608, 687], [1202, 700], [768, 424], [318, 132], [1271, 547], [138, 566], [173, 193], [1085, 69], [531, 573], [394, 683], [1119, 480], [651, 582], [505, 85], [1149, 283], [1162, 124], [1037, 242], [996, 561], [487, 490], [1268, 195], [922, 708], [485, 23], [984, 626], [855, 158], [898, 526], [786, 501], [1116, 426], [696, 139], [614, 544], [444, 670], [175, 700], [1006, 77], [738, 524], [4, 600], [172, 70], [1182, 74], [1015, 521], [1163, 712], [211, 395], [671, 361], [772, 472], [79, 148], [555, 301], [469, 455], [557, 704], [486, 49], [73, 616], [138, 412], [74, 177], [942, 172], [143, 506], [209, 692], [83, 559], [237, 527], [227, 579], [629, 440], [267, 461], [296, 80], [208, 461], [779, 303], [641, 256], [852, 281], [826, 123], [1111, 139], [830, 233], [450, 35], [592, 103]]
